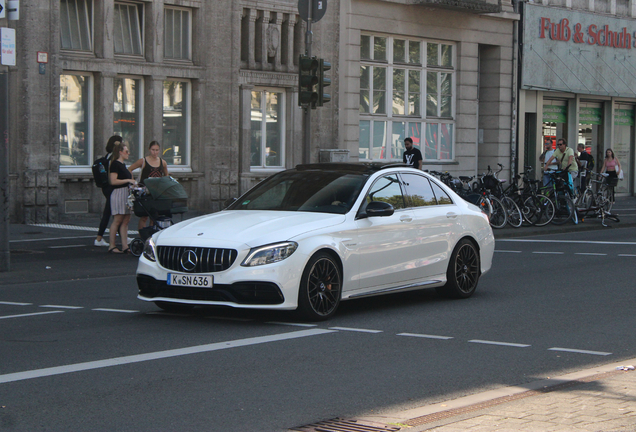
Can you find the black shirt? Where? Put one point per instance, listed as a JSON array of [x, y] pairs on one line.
[[122, 173], [412, 157]]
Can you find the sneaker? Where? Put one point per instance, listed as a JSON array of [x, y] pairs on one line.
[[101, 242]]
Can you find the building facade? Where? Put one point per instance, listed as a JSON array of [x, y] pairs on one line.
[[578, 79], [215, 82]]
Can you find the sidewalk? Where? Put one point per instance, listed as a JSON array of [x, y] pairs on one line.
[[597, 399]]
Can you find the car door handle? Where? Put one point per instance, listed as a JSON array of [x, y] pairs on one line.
[[405, 218], [451, 215]]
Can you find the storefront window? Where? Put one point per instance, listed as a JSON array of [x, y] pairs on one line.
[[75, 120], [623, 141], [127, 111], [555, 120], [591, 128]]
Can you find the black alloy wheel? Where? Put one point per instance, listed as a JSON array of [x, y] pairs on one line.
[[136, 247], [320, 288], [463, 271]]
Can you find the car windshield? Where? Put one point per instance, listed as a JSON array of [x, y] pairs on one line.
[[309, 191]]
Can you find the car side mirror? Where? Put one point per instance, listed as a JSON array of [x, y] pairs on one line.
[[378, 209], [228, 202]]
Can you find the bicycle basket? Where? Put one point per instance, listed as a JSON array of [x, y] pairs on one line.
[[611, 181], [490, 182]]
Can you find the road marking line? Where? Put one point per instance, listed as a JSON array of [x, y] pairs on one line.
[[425, 336], [61, 307], [30, 314], [566, 241], [580, 351], [68, 246], [230, 318], [548, 253], [50, 239], [115, 310], [627, 255], [118, 361], [292, 324], [355, 330], [499, 343], [508, 251], [15, 303], [592, 254]]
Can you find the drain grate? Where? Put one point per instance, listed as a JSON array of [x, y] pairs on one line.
[[339, 425]]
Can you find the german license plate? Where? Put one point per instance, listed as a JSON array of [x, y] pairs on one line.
[[190, 280]]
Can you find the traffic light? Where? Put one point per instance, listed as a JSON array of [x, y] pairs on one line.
[[323, 82], [307, 80]]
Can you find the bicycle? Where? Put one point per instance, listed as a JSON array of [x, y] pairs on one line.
[[499, 214], [600, 202], [537, 209], [560, 192]]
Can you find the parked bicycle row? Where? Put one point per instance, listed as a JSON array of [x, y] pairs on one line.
[[529, 202]]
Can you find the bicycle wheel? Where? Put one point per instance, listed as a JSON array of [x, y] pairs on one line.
[[564, 209], [498, 217], [538, 210], [485, 206], [585, 201], [606, 199], [513, 213]]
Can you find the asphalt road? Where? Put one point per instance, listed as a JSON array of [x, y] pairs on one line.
[[79, 352]]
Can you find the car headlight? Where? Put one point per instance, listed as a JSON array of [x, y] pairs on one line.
[[269, 254], [149, 250]]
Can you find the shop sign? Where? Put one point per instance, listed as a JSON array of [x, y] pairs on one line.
[[555, 114], [575, 51], [590, 116], [623, 117], [7, 46]]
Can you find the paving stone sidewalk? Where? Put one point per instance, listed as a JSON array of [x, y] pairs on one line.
[[606, 402]]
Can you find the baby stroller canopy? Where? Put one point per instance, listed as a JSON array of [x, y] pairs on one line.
[[165, 196]]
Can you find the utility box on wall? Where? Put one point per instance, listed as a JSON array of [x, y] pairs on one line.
[[334, 155]]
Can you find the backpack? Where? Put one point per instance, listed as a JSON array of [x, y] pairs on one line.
[[100, 172], [590, 163]]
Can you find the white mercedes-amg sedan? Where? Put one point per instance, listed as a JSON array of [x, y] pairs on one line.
[[309, 237]]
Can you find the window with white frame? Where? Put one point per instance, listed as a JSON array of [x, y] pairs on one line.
[[177, 34], [127, 113], [267, 137], [176, 122], [406, 90], [76, 119], [76, 18], [127, 29]]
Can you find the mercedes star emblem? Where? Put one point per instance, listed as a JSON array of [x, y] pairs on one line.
[[189, 260]]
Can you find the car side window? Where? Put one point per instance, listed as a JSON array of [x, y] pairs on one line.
[[442, 197], [387, 189], [418, 189]]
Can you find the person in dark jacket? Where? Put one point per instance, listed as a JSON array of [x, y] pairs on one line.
[[106, 190]]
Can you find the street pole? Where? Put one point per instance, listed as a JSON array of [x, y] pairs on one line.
[[307, 113], [5, 252]]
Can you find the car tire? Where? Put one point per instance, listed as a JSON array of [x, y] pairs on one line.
[[174, 307], [463, 271], [320, 288]]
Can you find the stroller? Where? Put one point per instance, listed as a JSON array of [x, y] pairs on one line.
[[159, 199]]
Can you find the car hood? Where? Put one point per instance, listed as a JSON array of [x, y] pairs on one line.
[[249, 227]]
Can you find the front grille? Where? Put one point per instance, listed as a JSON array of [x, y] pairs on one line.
[[209, 260], [252, 293]]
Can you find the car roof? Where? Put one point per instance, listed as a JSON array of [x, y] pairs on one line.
[[359, 167]]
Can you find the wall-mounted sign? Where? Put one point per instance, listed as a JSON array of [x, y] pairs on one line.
[[43, 57], [577, 52], [7, 46], [555, 114], [590, 116], [623, 117], [2, 9]]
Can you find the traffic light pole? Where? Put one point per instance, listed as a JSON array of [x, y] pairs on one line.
[[307, 113]]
